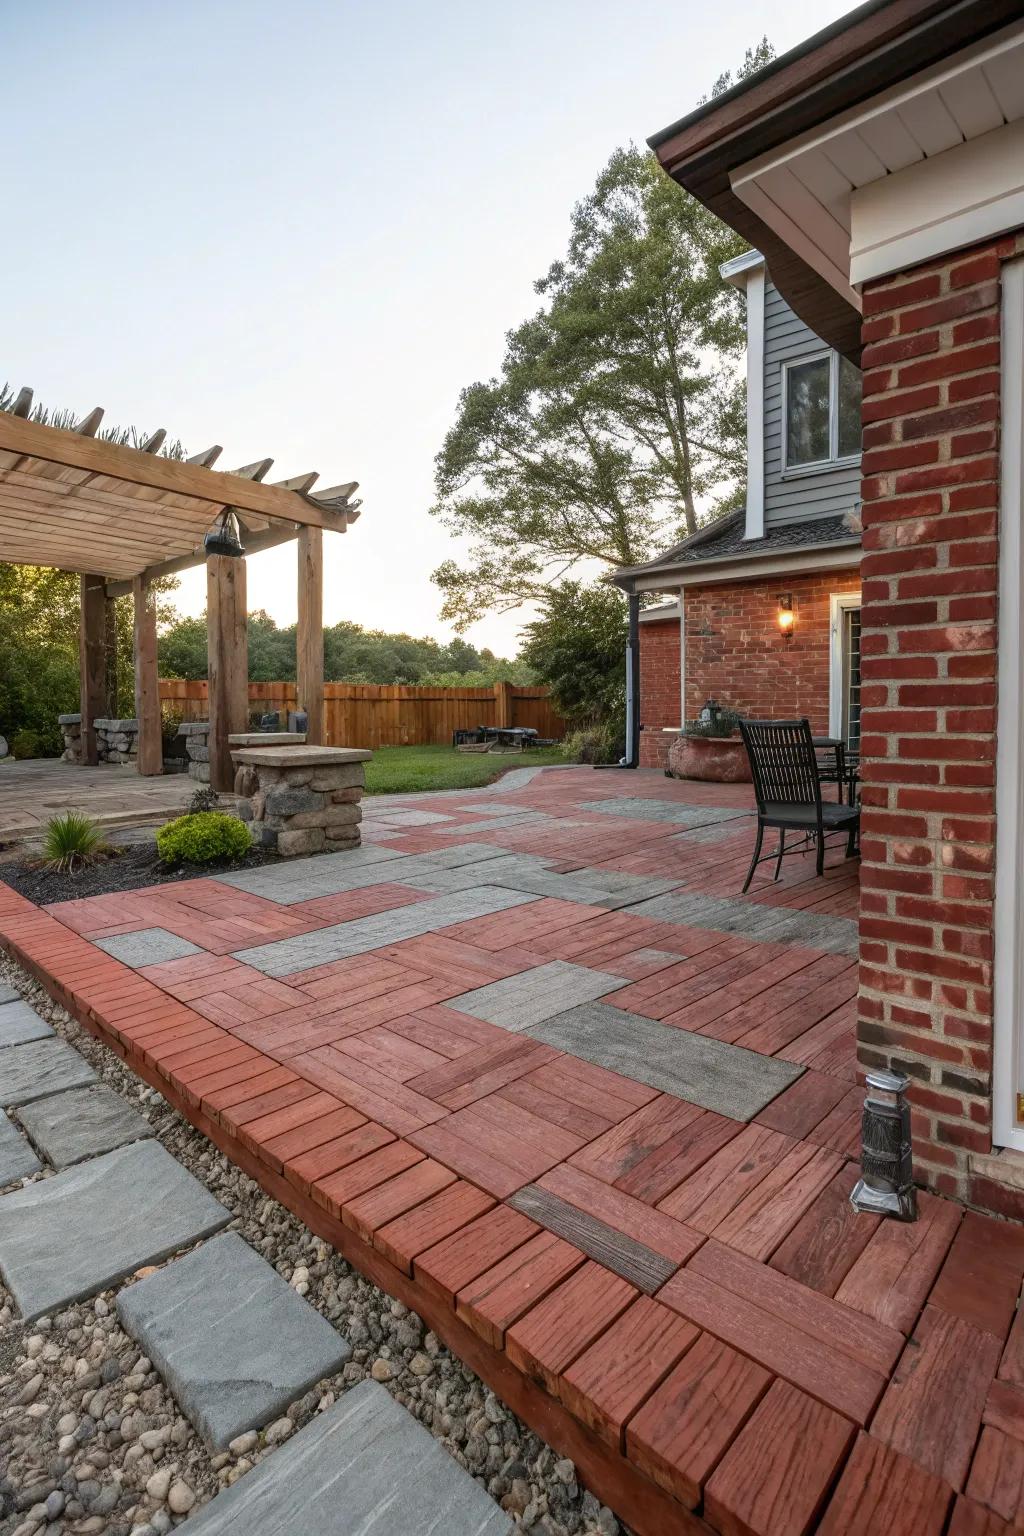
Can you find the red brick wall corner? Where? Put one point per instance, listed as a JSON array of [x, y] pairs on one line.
[[659, 690], [929, 653]]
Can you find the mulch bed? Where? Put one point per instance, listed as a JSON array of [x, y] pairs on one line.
[[134, 866]]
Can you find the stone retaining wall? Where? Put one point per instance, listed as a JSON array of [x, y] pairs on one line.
[[117, 741], [301, 800], [197, 746]]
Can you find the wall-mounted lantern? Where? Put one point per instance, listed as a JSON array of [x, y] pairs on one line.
[[224, 538], [786, 616]]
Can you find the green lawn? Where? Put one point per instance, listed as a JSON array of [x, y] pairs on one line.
[[399, 770]]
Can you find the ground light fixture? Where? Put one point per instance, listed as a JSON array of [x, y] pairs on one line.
[[786, 616], [224, 538]]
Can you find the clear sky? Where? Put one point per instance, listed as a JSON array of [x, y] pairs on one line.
[[298, 227]]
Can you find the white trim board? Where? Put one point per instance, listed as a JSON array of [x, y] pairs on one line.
[[755, 402], [838, 603], [953, 200], [1008, 981], [751, 568]]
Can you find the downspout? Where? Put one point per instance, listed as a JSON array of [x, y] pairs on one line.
[[632, 757]]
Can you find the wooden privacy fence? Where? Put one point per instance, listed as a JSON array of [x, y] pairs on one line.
[[376, 715]]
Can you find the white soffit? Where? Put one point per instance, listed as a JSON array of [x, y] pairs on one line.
[[805, 189]]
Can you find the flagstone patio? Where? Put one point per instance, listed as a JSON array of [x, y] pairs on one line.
[[532, 1064]]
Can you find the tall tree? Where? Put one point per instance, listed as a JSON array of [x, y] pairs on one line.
[[619, 411]]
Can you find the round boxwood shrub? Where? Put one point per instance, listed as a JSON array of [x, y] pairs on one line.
[[203, 838]]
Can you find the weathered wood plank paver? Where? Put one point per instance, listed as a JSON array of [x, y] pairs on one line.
[[882, 1493], [775, 1477], [688, 1422], [932, 1408]]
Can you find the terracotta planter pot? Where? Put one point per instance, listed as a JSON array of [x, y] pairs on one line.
[[713, 759]]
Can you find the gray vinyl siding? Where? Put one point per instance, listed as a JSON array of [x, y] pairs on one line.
[[827, 493]]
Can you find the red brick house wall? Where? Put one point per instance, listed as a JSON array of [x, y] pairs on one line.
[[928, 696], [659, 690], [736, 654]]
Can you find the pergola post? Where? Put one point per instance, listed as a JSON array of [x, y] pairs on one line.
[[310, 632], [228, 663], [92, 662], [147, 682], [110, 641]]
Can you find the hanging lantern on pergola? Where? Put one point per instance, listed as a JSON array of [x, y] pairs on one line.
[[225, 538]]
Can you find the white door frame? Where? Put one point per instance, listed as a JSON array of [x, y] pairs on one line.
[[1008, 980], [838, 603]]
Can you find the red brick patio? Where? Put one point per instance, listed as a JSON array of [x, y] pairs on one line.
[[701, 1322]]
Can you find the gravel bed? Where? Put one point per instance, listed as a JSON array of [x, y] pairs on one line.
[[91, 1440]]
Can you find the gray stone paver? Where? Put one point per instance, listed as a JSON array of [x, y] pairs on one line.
[[147, 946], [66, 1238], [518, 1002], [234, 1342], [19, 1024], [770, 925], [8, 994], [285, 956], [364, 1467], [402, 815], [339, 872], [726, 1078], [640, 809], [527, 872], [38, 1068], [84, 1122], [17, 1159]]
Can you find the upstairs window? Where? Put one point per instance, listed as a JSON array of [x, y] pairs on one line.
[[821, 411]]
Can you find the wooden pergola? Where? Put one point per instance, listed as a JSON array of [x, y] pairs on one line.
[[121, 517]]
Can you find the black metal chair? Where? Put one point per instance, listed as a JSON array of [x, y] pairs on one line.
[[787, 787]]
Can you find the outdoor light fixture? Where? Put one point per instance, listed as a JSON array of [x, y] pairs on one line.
[[787, 618], [224, 537], [886, 1184]]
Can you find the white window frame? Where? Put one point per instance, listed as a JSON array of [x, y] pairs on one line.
[[839, 603], [814, 466], [1008, 978]]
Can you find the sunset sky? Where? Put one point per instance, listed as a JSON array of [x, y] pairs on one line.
[[299, 230]]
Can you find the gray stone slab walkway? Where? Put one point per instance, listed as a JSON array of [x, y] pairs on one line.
[[665, 810], [84, 1122], [726, 1078], [7, 994], [591, 887], [234, 1342], [17, 1159], [752, 920], [68, 1237], [365, 1467], [353, 870], [147, 946], [520, 1001], [19, 1024], [39, 1068], [323, 945]]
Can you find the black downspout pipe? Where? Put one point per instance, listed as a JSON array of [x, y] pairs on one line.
[[632, 757]]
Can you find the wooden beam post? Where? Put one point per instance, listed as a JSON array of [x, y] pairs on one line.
[[92, 662], [228, 668], [147, 682], [110, 642], [309, 640], [503, 705]]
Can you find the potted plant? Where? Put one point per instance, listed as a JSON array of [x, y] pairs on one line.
[[710, 748]]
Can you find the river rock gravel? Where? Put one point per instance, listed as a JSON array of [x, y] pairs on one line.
[[92, 1443]]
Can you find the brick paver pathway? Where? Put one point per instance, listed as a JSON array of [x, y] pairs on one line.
[[538, 1070]]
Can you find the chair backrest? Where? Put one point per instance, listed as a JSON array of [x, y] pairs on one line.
[[782, 761]]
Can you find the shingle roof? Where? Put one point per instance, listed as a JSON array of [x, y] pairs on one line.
[[725, 538]]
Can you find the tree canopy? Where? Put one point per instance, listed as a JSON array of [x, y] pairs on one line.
[[619, 412], [352, 654]]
